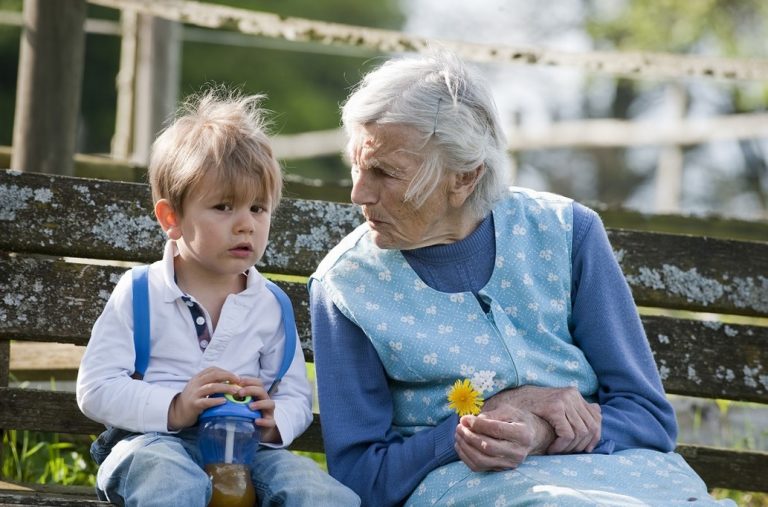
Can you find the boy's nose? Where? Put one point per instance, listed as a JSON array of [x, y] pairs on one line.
[[244, 222]]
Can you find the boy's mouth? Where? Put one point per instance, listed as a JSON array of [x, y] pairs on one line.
[[242, 249]]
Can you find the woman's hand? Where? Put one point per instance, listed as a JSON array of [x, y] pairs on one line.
[[576, 423], [187, 406], [501, 439], [255, 388]]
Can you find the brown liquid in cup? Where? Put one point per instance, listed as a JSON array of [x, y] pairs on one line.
[[232, 486]]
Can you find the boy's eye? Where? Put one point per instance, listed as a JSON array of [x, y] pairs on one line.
[[222, 207], [256, 208]]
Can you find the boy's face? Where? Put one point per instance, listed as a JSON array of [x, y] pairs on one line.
[[220, 237]]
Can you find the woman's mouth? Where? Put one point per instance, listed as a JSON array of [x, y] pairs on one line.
[[373, 219]]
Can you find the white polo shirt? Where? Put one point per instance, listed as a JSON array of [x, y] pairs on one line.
[[248, 341]]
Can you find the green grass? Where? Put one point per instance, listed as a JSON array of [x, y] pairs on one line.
[[44, 459]]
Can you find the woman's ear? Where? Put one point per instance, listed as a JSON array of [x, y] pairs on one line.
[[464, 184], [168, 218]]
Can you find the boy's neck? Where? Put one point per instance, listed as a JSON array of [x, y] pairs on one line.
[[210, 292]]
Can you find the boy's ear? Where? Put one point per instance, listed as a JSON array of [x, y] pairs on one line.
[[168, 218]]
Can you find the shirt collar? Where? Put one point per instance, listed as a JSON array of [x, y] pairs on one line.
[[171, 291]]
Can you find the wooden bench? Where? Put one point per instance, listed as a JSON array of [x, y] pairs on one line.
[[60, 238]]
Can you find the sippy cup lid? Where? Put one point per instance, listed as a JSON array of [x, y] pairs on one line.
[[234, 407]]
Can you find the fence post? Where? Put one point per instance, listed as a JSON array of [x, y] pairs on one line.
[[156, 81], [669, 171], [51, 60]]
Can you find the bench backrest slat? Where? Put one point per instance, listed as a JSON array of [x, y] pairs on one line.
[[53, 300], [113, 220]]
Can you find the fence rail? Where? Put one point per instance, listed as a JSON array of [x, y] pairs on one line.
[[636, 65]]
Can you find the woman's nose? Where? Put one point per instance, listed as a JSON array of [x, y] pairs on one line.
[[364, 191]]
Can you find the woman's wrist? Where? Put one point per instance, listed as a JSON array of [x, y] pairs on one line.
[[543, 437]]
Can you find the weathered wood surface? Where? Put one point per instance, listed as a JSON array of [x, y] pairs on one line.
[[56, 301], [714, 226], [16, 494], [270, 25], [670, 271], [721, 468], [101, 219], [694, 273], [52, 411], [50, 299], [51, 63], [48, 411]]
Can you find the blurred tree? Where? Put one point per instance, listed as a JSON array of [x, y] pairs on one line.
[[719, 28]]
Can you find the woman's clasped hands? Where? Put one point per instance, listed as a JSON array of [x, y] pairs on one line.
[[528, 420]]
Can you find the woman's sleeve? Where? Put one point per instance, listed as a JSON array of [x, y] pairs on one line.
[[606, 326], [362, 449]]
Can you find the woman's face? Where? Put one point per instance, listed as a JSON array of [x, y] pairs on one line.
[[385, 159]]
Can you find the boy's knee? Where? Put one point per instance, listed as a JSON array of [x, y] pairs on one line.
[[297, 480], [157, 465]]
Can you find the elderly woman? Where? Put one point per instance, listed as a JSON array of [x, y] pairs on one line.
[[513, 293]]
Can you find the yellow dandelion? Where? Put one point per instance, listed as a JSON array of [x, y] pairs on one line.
[[464, 398]]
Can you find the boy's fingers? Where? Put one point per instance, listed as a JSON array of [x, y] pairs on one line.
[[250, 381]]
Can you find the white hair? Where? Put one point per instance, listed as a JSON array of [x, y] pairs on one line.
[[451, 108]]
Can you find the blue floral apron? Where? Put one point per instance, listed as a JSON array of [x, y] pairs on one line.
[[513, 332]]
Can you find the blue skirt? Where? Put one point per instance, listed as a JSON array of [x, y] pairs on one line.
[[630, 477]]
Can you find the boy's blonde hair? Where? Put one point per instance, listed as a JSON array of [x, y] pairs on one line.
[[220, 132]]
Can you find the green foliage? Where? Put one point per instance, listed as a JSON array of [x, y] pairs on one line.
[[715, 27], [719, 28], [44, 459], [743, 498], [317, 457]]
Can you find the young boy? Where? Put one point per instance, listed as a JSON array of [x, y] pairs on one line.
[[215, 327]]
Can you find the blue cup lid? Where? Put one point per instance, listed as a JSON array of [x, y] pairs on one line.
[[234, 407]]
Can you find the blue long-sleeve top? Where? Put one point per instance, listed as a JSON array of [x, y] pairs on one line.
[[383, 467]]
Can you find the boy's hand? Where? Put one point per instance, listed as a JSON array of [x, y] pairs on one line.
[[187, 406], [255, 388]]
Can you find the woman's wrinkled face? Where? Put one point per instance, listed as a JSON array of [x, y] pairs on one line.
[[385, 160]]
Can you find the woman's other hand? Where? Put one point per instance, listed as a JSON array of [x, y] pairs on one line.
[[576, 423]]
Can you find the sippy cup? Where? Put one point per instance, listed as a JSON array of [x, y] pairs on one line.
[[228, 441]]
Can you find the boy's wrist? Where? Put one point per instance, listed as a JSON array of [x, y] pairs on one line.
[[173, 418]]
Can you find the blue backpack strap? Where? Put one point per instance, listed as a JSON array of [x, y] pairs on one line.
[[289, 324], [140, 319], [140, 276]]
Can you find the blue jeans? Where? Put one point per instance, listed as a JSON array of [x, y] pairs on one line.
[[166, 470]]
